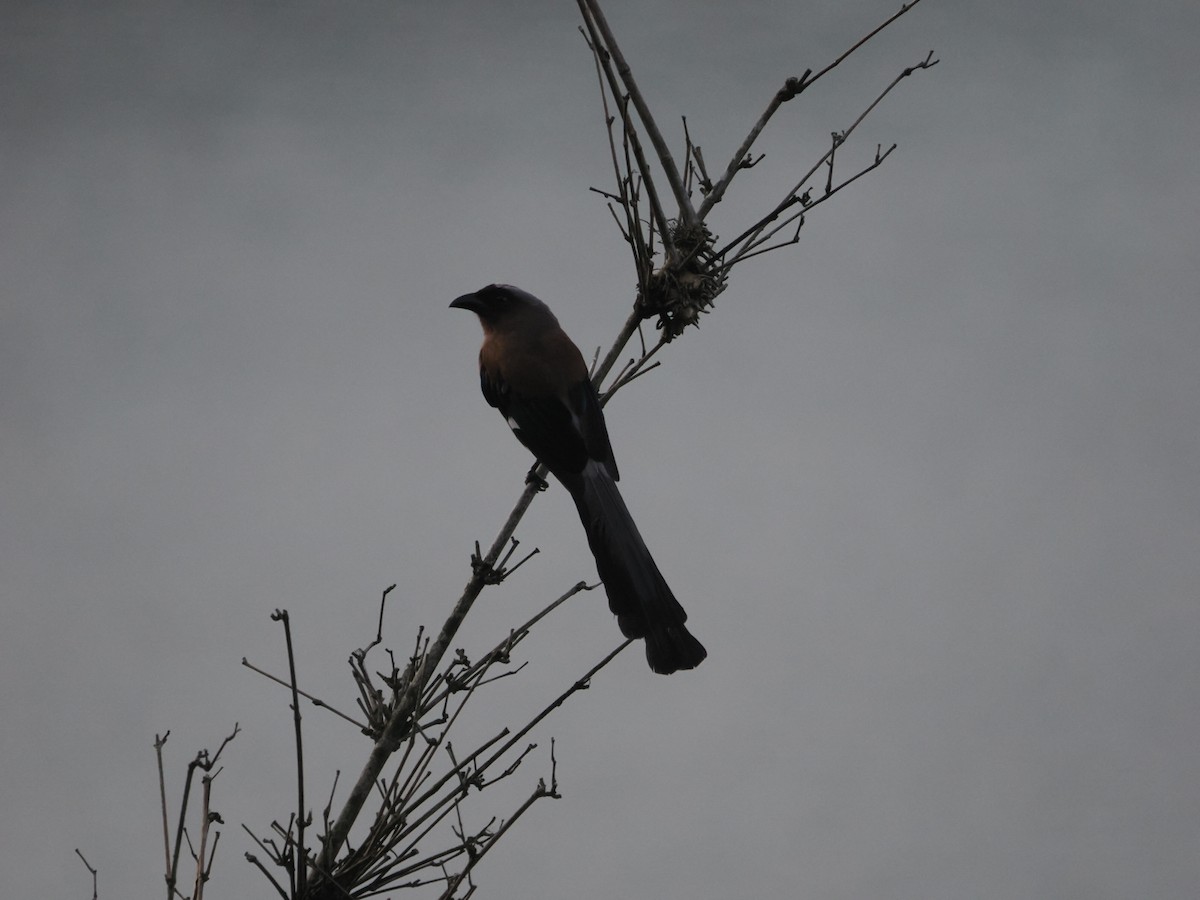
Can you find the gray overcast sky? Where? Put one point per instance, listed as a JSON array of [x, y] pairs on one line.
[[928, 483]]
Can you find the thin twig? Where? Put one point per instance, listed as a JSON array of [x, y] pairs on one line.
[[316, 701], [791, 88], [630, 138], [592, 12], [749, 238], [205, 762], [254, 860], [580, 684], [539, 792], [281, 615], [747, 253], [518, 634], [203, 870], [159, 743], [631, 230], [173, 869], [95, 893], [636, 370], [379, 632]]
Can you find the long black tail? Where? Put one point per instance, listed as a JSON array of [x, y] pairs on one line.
[[637, 593]]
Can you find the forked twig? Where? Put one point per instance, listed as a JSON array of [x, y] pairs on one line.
[[205, 762], [95, 890], [791, 89], [592, 14], [738, 248]]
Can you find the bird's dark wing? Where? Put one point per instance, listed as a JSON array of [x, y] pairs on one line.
[[543, 424], [494, 389], [589, 418]]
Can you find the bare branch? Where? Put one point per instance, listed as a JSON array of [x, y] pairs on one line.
[[581, 684], [592, 14], [501, 650], [173, 869], [255, 861], [316, 701], [749, 239], [791, 88], [642, 250], [402, 714], [207, 817], [205, 762], [630, 141], [159, 743], [379, 632], [95, 893], [539, 792], [301, 811], [635, 370]]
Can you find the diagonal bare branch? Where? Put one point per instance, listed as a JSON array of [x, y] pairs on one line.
[[747, 240], [592, 14], [792, 88]]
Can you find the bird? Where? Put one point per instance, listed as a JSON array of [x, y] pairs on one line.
[[536, 377]]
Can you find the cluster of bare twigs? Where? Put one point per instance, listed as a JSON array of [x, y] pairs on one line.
[[681, 265], [202, 855], [418, 781], [418, 835]]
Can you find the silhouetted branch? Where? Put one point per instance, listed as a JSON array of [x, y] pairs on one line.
[[752, 238], [629, 185], [596, 22], [413, 803], [207, 817], [95, 893], [316, 701], [302, 818], [205, 762], [791, 89]]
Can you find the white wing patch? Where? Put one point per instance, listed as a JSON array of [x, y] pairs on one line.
[[512, 423]]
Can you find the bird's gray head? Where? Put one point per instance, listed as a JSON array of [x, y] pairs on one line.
[[497, 302]]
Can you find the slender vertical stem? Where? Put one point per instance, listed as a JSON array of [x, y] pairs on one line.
[[591, 8], [301, 814]]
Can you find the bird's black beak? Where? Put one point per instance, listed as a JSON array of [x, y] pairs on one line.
[[468, 301]]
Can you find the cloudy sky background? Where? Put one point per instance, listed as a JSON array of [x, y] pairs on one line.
[[928, 483]]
